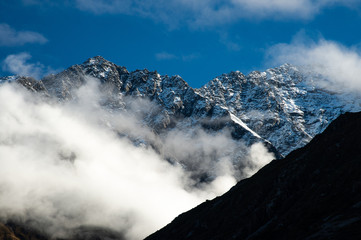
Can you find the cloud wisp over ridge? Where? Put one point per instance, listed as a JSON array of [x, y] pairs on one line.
[[339, 65]]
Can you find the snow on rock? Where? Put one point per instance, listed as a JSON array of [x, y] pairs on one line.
[[283, 106]]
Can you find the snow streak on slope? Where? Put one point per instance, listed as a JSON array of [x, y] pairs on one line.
[[238, 121]]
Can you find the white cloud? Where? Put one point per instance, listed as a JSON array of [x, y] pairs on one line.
[[12, 37], [285, 8], [47, 3], [64, 166], [340, 66], [32, 2], [60, 165], [211, 12], [19, 64], [165, 56], [169, 56], [231, 45], [257, 158], [190, 57]]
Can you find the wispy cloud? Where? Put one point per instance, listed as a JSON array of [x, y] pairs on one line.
[[338, 64], [211, 12], [170, 56], [100, 7], [12, 37], [226, 41], [190, 57], [46, 3], [165, 56], [19, 64], [31, 2], [285, 8]]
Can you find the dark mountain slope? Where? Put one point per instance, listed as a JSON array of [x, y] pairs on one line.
[[13, 231], [23, 231], [314, 193]]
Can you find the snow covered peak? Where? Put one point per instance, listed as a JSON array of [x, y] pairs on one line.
[[103, 69], [282, 105], [97, 60]]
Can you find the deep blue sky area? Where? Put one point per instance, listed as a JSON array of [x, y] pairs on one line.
[[197, 41]]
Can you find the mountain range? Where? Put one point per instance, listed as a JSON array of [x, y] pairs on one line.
[[283, 108]]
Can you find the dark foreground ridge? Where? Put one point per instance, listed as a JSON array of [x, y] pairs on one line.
[[314, 193]]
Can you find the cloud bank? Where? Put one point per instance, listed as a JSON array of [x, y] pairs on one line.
[[12, 37], [211, 12], [65, 165], [339, 66]]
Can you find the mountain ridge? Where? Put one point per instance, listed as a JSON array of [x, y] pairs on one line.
[[282, 107]]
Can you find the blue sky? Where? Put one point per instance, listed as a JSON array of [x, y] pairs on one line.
[[198, 40]]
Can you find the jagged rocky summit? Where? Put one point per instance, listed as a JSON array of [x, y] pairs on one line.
[[282, 107]]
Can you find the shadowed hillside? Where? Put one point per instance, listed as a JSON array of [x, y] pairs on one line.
[[314, 193]]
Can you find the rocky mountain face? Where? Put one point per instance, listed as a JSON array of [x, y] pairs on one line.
[[313, 193], [282, 107]]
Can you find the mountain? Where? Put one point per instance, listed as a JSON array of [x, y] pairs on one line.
[[178, 102], [283, 107], [20, 231], [313, 193]]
